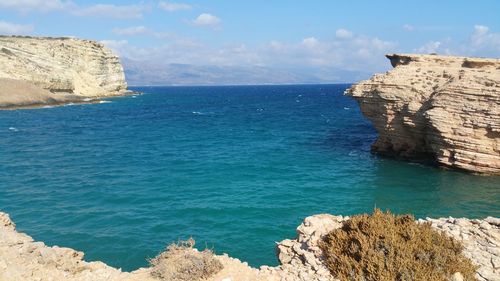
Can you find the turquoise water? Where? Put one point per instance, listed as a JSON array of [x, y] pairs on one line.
[[237, 168]]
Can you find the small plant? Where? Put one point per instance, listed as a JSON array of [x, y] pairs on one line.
[[181, 262], [382, 246]]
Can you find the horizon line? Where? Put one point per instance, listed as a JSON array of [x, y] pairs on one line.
[[229, 85]]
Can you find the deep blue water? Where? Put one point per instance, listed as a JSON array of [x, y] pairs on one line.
[[237, 168]]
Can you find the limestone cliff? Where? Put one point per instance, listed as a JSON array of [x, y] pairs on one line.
[[57, 70], [442, 108]]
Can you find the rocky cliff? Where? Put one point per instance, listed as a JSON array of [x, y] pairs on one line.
[[440, 108], [301, 258], [42, 70]]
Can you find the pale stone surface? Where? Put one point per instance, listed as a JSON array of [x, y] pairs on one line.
[[457, 276], [301, 258], [481, 240], [439, 107], [18, 93], [21, 258], [56, 70]]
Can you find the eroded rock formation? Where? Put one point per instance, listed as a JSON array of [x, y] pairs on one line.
[[21, 258], [440, 108], [42, 70]]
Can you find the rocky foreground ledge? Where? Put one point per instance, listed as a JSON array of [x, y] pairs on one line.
[[39, 71], [440, 108], [21, 258]]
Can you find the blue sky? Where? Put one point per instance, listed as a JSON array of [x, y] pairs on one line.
[[252, 42]]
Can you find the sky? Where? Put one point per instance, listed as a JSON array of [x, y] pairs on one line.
[[195, 42]]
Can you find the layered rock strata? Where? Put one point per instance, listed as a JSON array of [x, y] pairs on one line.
[[21, 258], [440, 108], [41, 70]]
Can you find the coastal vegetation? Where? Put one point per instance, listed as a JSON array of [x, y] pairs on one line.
[[182, 262], [383, 246]]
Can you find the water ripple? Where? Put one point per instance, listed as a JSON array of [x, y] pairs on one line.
[[237, 168]]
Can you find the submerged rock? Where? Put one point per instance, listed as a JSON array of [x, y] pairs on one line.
[[38, 71], [439, 108]]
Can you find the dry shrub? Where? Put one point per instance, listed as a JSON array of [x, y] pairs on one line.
[[181, 262], [382, 247]]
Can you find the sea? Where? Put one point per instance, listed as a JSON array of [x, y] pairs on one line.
[[237, 168]]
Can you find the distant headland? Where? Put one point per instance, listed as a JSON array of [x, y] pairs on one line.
[[40, 71]]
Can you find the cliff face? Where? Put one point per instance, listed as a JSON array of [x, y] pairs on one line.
[[300, 259], [63, 66], [441, 108]]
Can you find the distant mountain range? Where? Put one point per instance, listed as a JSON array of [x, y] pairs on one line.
[[154, 73]]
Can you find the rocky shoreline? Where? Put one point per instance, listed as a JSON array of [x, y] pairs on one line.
[[446, 109], [14, 95], [442, 109], [21, 258], [45, 71]]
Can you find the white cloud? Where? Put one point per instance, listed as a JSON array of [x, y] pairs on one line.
[[207, 20], [112, 11], [142, 30], [481, 30], [14, 29], [483, 42], [35, 5], [377, 43], [360, 53], [97, 10], [133, 30], [343, 33], [408, 27], [429, 47], [310, 42], [172, 7], [308, 60], [118, 46]]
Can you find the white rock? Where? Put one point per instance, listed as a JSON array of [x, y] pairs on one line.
[[493, 221], [457, 276], [41, 70]]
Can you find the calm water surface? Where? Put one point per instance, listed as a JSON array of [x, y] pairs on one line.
[[237, 168]]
